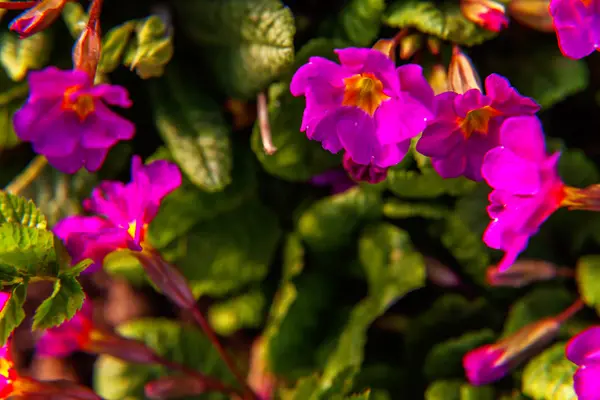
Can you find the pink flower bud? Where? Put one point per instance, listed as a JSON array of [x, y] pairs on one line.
[[532, 13], [86, 52], [37, 18], [488, 14], [521, 273], [462, 75]]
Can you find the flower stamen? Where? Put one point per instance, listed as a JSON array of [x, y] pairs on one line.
[[364, 91], [477, 121], [82, 105]]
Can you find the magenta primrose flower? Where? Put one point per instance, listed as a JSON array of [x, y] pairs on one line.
[[365, 105], [66, 119], [577, 25], [123, 212], [466, 126], [584, 350]]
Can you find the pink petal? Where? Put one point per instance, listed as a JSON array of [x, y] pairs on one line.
[[164, 176], [359, 60], [399, 120], [524, 137], [356, 133], [318, 70], [444, 106], [114, 95], [51, 82], [470, 100], [94, 158], [390, 154], [452, 165], [414, 83], [504, 170], [439, 139], [507, 99], [585, 347], [586, 382], [35, 118]]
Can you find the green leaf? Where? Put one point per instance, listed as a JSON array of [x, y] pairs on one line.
[[542, 73], [151, 50], [539, 303], [308, 389], [18, 210], [393, 269], [444, 361], [330, 222], [232, 250], [576, 169], [549, 376], [125, 265], [296, 158], [443, 390], [468, 392], [65, 300], [427, 184], [588, 280], [361, 20], [30, 250], [398, 209], [438, 18], [247, 44], [114, 44], [243, 311], [188, 204], [117, 380], [194, 130], [19, 56], [13, 313], [75, 18]]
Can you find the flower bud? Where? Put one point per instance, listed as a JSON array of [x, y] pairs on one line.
[[438, 79], [532, 13], [37, 18], [521, 273], [434, 45], [488, 14], [410, 45], [175, 387], [387, 47], [87, 49], [492, 362], [364, 173], [462, 75]]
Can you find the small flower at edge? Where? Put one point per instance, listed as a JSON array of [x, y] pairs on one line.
[[577, 25], [365, 105], [584, 350], [466, 126], [37, 18], [66, 119]]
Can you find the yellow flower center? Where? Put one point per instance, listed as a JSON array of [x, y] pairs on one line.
[[364, 91], [477, 121], [82, 105], [5, 367]]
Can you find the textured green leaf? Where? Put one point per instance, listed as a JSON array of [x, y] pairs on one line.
[[114, 44], [117, 380], [19, 56], [397, 209], [18, 210], [13, 314], [438, 18], [246, 43], [151, 50], [194, 130], [361, 20], [296, 158], [231, 250], [28, 249], [331, 221], [188, 204], [243, 311], [427, 184], [549, 376], [537, 304], [65, 300], [588, 280]]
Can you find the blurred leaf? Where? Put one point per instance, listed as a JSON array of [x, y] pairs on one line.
[[438, 18], [125, 265], [308, 389], [151, 50], [549, 376], [117, 380], [12, 97], [19, 56], [397, 209], [539, 303], [18, 210], [65, 300], [330, 222], [114, 44], [247, 44], [231, 250], [444, 361], [361, 20], [469, 392], [188, 204], [443, 390], [543, 73], [575, 169], [588, 280], [194, 130], [243, 311], [75, 18], [296, 158], [13, 314], [427, 184]]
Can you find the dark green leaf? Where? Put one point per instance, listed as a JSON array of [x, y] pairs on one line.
[[243, 311], [398, 209], [194, 130], [13, 314], [427, 184], [588, 280], [66, 299], [438, 18], [549, 376], [361, 20], [576, 169], [247, 44]]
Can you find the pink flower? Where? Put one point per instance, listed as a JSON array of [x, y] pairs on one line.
[[66, 119], [466, 126], [577, 25], [584, 350], [123, 212], [365, 106], [37, 18], [488, 14]]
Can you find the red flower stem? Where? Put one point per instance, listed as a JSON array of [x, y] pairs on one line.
[[263, 123], [94, 13], [212, 336], [570, 311], [213, 384], [31, 172], [17, 5]]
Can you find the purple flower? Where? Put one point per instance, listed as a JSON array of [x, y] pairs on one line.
[[584, 350], [66, 119], [577, 25], [466, 126], [123, 212], [365, 105], [527, 188]]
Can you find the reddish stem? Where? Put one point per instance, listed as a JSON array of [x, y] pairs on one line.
[[570, 311], [94, 13], [17, 5]]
